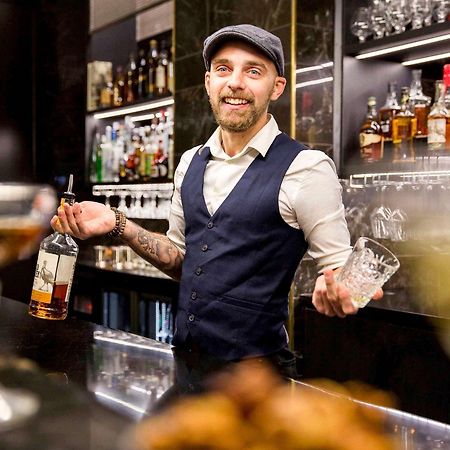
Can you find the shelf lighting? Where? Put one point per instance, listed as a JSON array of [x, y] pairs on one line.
[[134, 109], [312, 82], [318, 67], [397, 48], [143, 117], [425, 59]]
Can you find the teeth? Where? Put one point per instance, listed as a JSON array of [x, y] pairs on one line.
[[235, 101]]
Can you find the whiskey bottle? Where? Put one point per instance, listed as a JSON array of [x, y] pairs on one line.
[[370, 134], [161, 72], [131, 80], [142, 80], [54, 272], [446, 79], [420, 104], [152, 64], [404, 126], [388, 111], [119, 87], [439, 122]]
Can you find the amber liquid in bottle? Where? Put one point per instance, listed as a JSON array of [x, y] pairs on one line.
[[54, 272], [370, 135]]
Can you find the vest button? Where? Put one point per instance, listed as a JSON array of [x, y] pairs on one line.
[[198, 271], [204, 247], [210, 225], [193, 295], [191, 317]]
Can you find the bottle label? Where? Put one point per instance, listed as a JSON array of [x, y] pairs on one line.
[[160, 77], [53, 273], [366, 139], [436, 131]]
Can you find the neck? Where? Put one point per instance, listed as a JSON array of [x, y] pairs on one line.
[[234, 142]]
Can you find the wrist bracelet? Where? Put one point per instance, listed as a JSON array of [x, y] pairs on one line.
[[121, 220]]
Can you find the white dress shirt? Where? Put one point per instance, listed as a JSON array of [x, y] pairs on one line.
[[309, 198]]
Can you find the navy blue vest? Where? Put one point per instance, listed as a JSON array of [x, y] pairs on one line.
[[239, 262]]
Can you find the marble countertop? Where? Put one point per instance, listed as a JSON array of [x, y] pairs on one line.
[[93, 384]]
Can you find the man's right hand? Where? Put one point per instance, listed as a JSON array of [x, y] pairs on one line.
[[84, 220]]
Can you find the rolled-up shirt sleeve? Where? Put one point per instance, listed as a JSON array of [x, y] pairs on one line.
[[176, 231], [313, 196]]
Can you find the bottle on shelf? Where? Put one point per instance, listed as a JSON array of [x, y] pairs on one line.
[[171, 74], [420, 104], [439, 122], [446, 79], [152, 63], [54, 272], [388, 111], [370, 134], [119, 87], [404, 126], [106, 93], [307, 123], [142, 79], [99, 161], [161, 82], [131, 80]]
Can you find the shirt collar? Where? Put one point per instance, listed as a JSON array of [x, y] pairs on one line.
[[260, 142]]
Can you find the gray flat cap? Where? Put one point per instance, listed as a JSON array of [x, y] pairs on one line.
[[266, 42]]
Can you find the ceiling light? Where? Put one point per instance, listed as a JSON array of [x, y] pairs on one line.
[[426, 59], [397, 48], [312, 82]]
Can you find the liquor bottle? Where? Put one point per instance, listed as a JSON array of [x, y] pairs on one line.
[[171, 74], [54, 272], [131, 80], [307, 125], [93, 159], [446, 79], [388, 111], [404, 126], [152, 64], [161, 72], [370, 134], [106, 94], [439, 121], [142, 79], [420, 104], [119, 87]]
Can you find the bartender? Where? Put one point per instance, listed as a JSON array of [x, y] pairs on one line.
[[248, 204]]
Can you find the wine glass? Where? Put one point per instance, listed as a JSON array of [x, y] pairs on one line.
[[441, 10], [400, 14], [421, 9], [25, 211], [378, 19], [361, 23]]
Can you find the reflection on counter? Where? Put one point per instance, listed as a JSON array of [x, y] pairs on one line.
[[129, 372]]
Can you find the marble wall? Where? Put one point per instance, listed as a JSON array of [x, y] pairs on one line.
[[194, 21]]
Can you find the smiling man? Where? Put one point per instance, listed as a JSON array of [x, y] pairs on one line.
[[247, 205]]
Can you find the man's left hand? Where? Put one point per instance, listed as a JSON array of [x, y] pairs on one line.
[[332, 298]]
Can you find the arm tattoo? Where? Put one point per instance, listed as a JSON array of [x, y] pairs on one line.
[[159, 251]]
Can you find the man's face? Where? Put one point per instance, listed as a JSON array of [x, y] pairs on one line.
[[240, 84]]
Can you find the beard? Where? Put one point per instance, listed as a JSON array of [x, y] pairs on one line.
[[238, 121]]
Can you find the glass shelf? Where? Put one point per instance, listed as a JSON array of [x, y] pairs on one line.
[[431, 40], [135, 108]]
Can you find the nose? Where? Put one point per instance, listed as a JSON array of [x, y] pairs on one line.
[[236, 80]]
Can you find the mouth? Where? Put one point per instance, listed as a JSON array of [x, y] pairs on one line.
[[234, 101]]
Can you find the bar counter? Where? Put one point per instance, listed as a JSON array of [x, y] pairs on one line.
[[93, 384]]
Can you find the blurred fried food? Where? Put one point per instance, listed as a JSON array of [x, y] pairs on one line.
[[250, 408]]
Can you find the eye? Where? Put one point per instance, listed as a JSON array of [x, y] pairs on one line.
[[221, 69], [254, 72]]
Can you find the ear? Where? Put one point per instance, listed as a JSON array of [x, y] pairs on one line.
[[207, 78], [278, 88]]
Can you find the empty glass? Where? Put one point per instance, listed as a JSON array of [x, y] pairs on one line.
[[361, 23], [400, 14], [420, 12], [367, 268]]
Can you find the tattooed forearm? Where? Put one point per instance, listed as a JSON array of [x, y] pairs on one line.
[[156, 249]]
